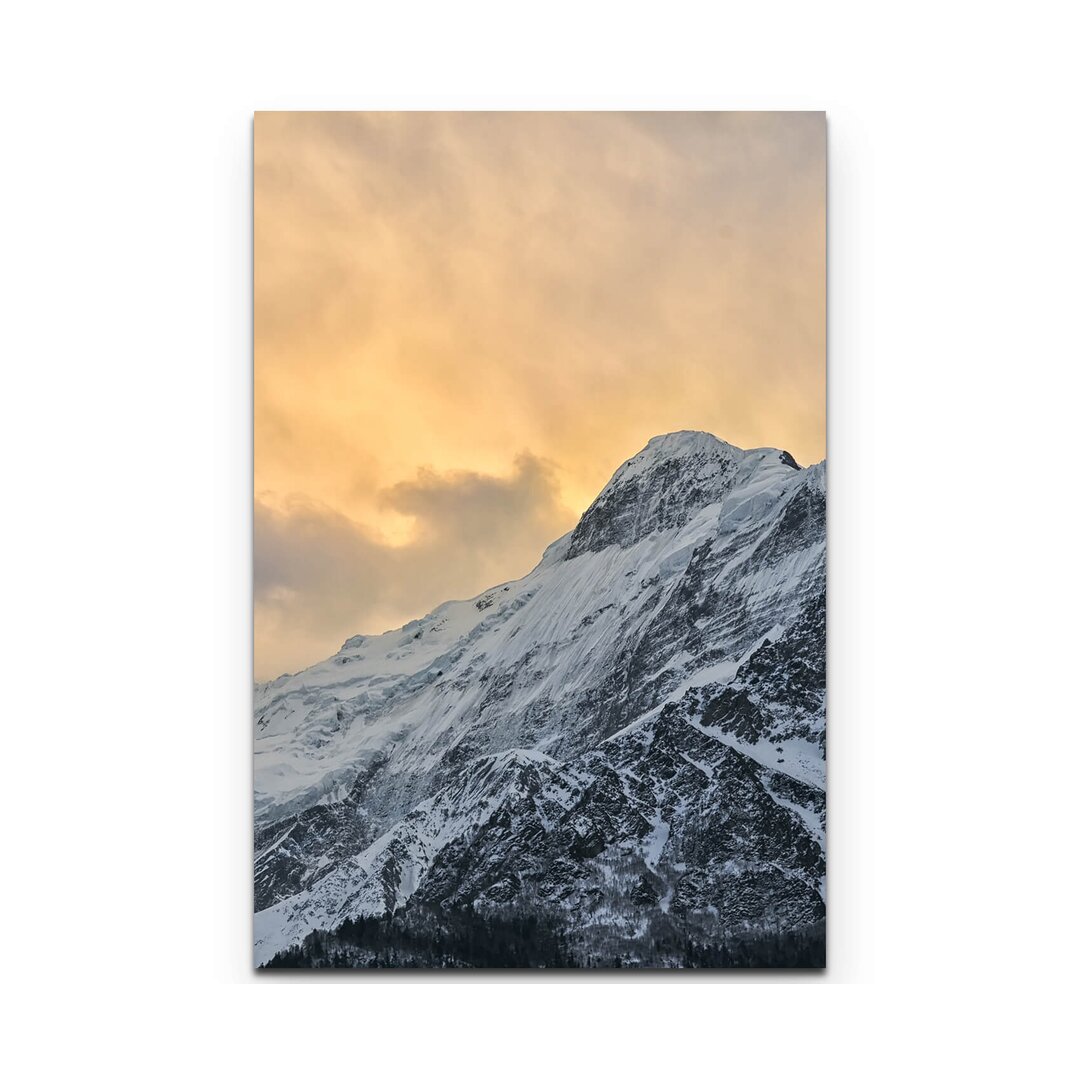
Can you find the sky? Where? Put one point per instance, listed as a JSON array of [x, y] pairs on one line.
[[465, 322]]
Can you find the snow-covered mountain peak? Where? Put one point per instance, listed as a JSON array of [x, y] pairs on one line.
[[664, 485], [694, 446], [682, 442]]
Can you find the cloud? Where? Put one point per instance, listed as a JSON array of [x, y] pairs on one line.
[[320, 577], [575, 282]]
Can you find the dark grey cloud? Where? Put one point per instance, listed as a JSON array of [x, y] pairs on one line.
[[321, 576]]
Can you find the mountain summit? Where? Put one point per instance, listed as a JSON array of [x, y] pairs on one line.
[[661, 488], [627, 743]]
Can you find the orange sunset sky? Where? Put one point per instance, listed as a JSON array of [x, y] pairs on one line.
[[464, 322]]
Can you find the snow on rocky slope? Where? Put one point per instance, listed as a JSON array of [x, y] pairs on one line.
[[634, 729]]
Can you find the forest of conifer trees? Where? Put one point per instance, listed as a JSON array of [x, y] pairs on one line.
[[432, 937]]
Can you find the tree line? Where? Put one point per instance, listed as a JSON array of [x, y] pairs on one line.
[[427, 936]]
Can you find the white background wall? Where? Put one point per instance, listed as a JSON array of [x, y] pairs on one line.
[[126, 446]]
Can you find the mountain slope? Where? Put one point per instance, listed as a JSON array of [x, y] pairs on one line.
[[632, 733]]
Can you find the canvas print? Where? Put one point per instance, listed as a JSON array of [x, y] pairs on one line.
[[539, 540]]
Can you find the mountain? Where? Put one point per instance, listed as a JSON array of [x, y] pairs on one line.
[[627, 744]]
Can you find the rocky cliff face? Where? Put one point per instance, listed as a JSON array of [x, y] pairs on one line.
[[630, 737]]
